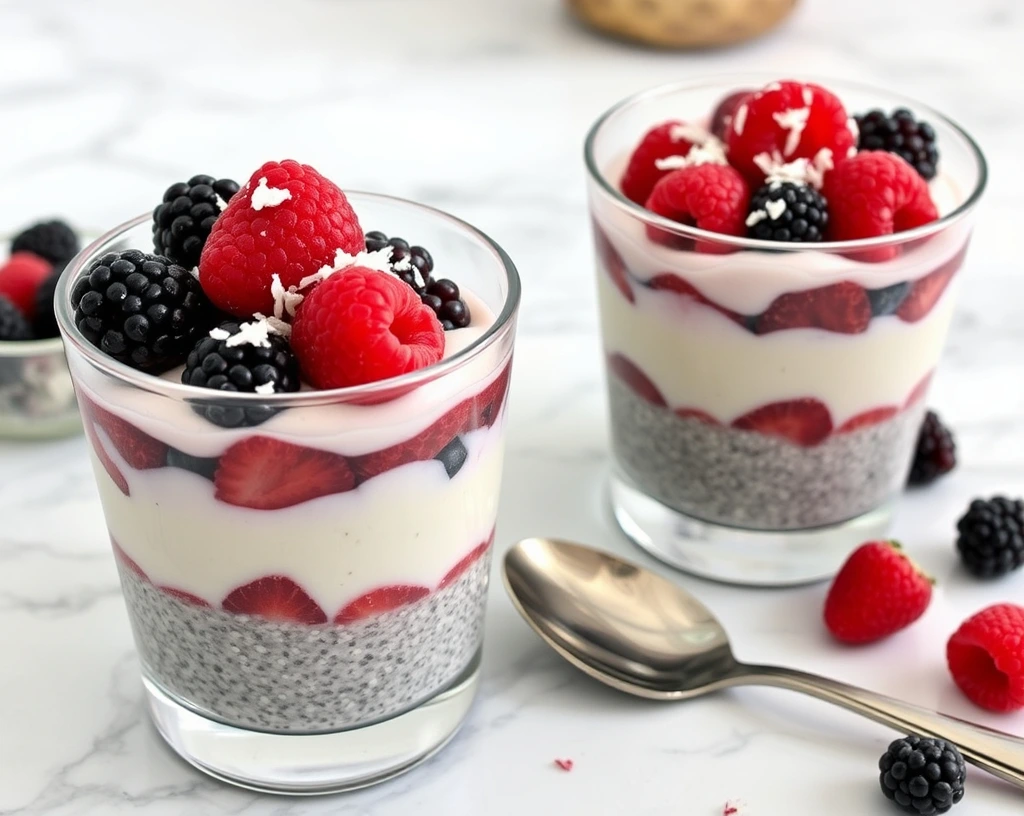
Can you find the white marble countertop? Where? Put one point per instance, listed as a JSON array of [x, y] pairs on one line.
[[479, 107]]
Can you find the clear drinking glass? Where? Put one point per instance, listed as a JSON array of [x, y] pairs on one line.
[[331, 639], [741, 452]]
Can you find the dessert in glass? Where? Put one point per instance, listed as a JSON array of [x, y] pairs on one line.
[[777, 268], [297, 430]]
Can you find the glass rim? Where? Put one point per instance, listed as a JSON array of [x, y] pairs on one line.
[[358, 394], [739, 80]]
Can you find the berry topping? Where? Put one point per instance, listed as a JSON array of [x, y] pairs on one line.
[[787, 121], [444, 299], [227, 361], [466, 562], [877, 592], [413, 264], [289, 220], [44, 323], [183, 220], [841, 307], [903, 135], [786, 211], [140, 450], [362, 326], [991, 537], [875, 193], [712, 197], [642, 172], [805, 422], [986, 658], [385, 599], [627, 371], [13, 325], [887, 300], [140, 309], [276, 598], [610, 259], [267, 474], [20, 279], [53, 241], [922, 776], [725, 111], [935, 454]]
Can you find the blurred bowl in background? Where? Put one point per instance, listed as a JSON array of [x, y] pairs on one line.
[[683, 23]]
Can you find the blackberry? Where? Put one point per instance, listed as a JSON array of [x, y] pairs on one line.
[[991, 536], [902, 134], [53, 240], [142, 310], [799, 216], [183, 220], [13, 325], [935, 454], [444, 298], [44, 324], [404, 259], [923, 776], [215, 363]]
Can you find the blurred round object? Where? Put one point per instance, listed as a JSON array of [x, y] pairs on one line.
[[683, 23]]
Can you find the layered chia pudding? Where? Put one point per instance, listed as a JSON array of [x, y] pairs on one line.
[[776, 278], [297, 430]]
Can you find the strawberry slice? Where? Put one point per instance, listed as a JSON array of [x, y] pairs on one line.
[[867, 418], [842, 307], [275, 598], [627, 371], [184, 597], [926, 292], [127, 561], [108, 464], [140, 450], [919, 390], [793, 310], [378, 601], [263, 473], [612, 262], [696, 413], [466, 562], [668, 282], [805, 422], [486, 406]]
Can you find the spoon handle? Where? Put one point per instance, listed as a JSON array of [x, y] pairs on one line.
[[998, 753]]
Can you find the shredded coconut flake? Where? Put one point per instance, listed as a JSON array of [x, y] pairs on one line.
[[378, 260], [808, 96], [740, 120], [798, 171], [854, 129], [219, 334], [756, 217], [794, 120], [194, 272], [221, 203], [851, 151], [255, 333], [263, 233], [264, 196], [773, 86], [775, 209], [712, 151], [286, 301], [264, 388]]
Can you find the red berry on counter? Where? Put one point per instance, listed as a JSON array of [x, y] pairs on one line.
[[288, 220], [711, 197], [986, 658], [877, 592], [20, 278]]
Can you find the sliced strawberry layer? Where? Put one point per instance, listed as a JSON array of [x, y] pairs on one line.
[[185, 597], [842, 307], [127, 561], [805, 422], [116, 476], [627, 371], [668, 282], [466, 562], [696, 413], [264, 473], [925, 293], [384, 599], [612, 262], [140, 450], [919, 391], [868, 418], [486, 406], [275, 598]]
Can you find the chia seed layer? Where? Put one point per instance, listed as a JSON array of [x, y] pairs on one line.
[[747, 479], [282, 676]]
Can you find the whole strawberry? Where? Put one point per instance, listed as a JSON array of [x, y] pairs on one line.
[[877, 592]]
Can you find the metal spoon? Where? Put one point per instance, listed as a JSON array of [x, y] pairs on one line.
[[638, 632]]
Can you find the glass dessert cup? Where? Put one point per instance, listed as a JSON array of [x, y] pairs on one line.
[[331, 638], [694, 372]]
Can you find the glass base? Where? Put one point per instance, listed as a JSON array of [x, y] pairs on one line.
[[735, 555], [309, 764]]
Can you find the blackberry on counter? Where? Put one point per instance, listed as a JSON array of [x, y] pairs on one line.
[[923, 776], [183, 220], [786, 211], [902, 134], [404, 259], [142, 310], [991, 536], [13, 325], [935, 454], [44, 324], [242, 368], [53, 240]]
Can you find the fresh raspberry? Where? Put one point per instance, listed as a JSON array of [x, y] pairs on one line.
[[986, 658], [360, 326], [787, 120], [877, 592], [725, 110], [712, 197], [876, 193], [20, 277], [642, 172], [287, 219]]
